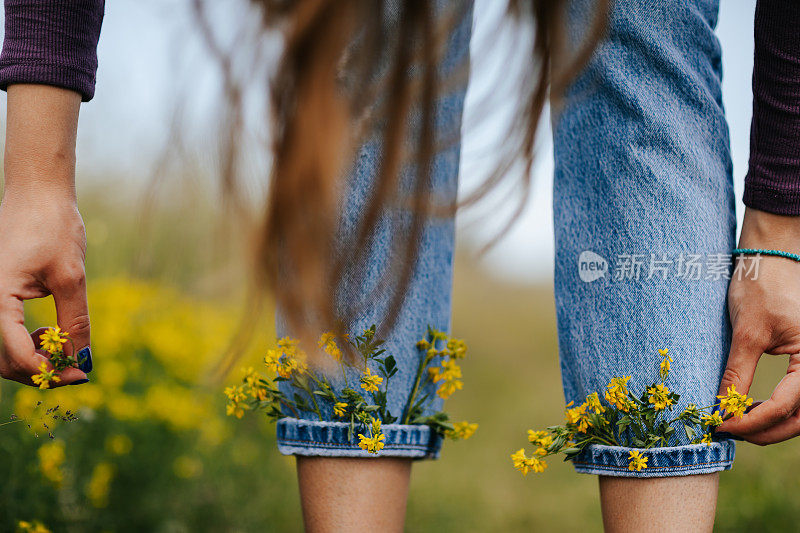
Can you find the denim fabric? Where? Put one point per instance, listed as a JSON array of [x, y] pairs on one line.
[[311, 437], [643, 170], [427, 299]]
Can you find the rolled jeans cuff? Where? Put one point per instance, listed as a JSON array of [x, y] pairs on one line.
[[329, 439], [685, 460]]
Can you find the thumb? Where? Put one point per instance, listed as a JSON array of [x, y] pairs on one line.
[[743, 358], [72, 314]]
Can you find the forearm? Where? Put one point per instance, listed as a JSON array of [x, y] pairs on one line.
[[42, 123]]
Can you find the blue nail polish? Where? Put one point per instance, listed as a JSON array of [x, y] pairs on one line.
[[85, 358], [80, 381]]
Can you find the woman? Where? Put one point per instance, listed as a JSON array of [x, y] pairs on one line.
[[642, 169]]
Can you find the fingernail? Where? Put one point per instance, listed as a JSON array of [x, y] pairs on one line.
[[726, 435], [80, 381], [85, 360]]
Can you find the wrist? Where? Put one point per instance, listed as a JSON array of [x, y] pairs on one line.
[[764, 230]]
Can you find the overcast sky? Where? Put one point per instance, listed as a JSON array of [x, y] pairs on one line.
[[151, 57]]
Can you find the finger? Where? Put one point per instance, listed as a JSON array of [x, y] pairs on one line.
[[72, 312], [745, 352], [780, 432], [783, 403], [19, 359]]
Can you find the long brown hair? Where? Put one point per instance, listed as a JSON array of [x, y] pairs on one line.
[[353, 69]]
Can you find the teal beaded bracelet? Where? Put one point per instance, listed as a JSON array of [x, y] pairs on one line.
[[776, 253]]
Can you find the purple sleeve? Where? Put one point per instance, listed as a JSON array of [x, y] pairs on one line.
[[773, 178], [52, 42]]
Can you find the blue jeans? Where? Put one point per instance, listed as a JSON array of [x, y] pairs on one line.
[[643, 189], [427, 298], [642, 176]]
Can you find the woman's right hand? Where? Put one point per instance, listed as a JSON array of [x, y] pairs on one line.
[[42, 237]]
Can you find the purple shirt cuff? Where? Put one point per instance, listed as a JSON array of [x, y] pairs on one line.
[[52, 42]]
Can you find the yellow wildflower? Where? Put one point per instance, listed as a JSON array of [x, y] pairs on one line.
[[637, 461], [271, 360], [375, 443], [370, 381], [327, 342], [578, 416], [449, 375], [706, 439], [371, 444], [462, 430], [734, 403], [236, 398], [45, 376], [664, 368], [53, 339], [526, 464], [617, 393], [339, 408], [540, 438], [714, 419], [659, 397], [593, 403], [456, 348]]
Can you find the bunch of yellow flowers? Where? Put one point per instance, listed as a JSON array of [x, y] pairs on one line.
[[52, 341], [639, 422], [364, 405]]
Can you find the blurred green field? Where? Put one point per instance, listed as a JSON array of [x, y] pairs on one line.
[[153, 452]]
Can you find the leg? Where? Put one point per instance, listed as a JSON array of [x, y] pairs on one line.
[[659, 504], [344, 487], [373, 498], [642, 190]]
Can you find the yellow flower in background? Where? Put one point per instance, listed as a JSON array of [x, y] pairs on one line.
[[187, 467], [712, 420], [370, 381], [449, 375], [45, 376], [339, 409], [734, 403], [53, 339], [24, 526], [51, 458], [327, 342], [617, 393], [707, 439], [527, 464], [659, 397], [119, 444], [462, 430], [100, 483], [664, 367], [636, 461]]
